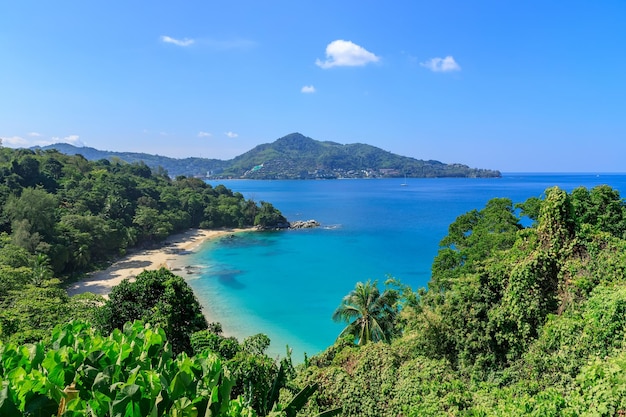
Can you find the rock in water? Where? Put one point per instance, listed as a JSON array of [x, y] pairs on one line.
[[304, 224]]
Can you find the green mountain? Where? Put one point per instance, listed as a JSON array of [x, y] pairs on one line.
[[298, 157], [295, 156]]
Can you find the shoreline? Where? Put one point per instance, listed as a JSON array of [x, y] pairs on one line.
[[167, 255]]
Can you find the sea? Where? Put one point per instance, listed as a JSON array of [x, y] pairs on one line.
[[286, 284]]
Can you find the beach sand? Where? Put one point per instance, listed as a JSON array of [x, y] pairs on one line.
[[167, 255]]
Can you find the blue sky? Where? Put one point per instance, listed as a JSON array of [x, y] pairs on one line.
[[510, 85]]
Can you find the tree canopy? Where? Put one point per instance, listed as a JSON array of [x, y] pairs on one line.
[[516, 320], [369, 313], [159, 298], [81, 213], [64, 215], [525, 312]]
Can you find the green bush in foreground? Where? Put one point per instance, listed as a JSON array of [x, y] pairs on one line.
[[132, 372], [128, 373]]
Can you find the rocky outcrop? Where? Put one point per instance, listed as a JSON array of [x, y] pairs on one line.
[[304, 224], [298, 224]]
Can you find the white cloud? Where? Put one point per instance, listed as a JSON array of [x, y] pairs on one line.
[[178, 42], [214, 44], [231, 135], [20, 142], [71, 139], [307, 89], [342, 53], [446, 64], [14, 141], [204, 134]]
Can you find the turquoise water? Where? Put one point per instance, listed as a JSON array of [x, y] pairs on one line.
[[287, 284]]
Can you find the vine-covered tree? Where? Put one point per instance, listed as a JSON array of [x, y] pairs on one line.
[[515, 321]]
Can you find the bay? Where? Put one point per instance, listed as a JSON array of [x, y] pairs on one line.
[[287, 284]]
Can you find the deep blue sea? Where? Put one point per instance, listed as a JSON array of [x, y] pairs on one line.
[[287, 284]]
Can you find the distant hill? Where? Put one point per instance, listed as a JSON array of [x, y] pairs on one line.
[[298, 157], [295, 156], [198, 167]]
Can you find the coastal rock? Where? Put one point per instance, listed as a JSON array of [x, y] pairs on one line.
[[304, 224], [298, 224]]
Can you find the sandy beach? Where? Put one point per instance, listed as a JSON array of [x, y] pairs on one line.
[[174, 247]]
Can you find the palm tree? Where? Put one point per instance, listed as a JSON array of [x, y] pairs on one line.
[[42, 271], [370, 315]]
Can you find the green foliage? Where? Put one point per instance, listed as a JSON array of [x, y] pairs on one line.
[[600, 207], [255, 374], [486, 308], [369, 313], [362, 380], [298, 402], [206, 339], [515, 321], [258, 377], [472, 238], [64, 215], [131, 372], [256, 345], [30, 312], [172, 166], [81, 213], [260, 380], [268, 216], [32, 216], [601, 388], [298, 157], [31, 299], [596, 328], [160, 298]]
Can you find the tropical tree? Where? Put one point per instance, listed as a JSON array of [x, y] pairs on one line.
[[42, 270], [159, 298], [268, 216], [369, 313]]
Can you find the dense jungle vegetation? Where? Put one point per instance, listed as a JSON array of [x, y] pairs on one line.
[[525, 313], [63, 215], [515, 321]]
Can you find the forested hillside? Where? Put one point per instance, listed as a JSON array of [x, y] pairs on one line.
[[294, 156], [76, 212], [525, 313], [190, 167], [63, 215], [515, 321], [141, 351]]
